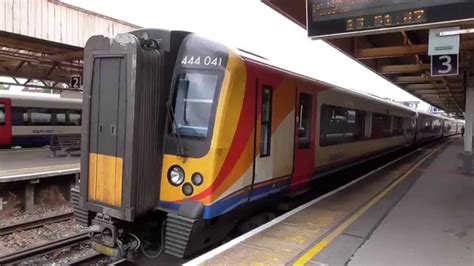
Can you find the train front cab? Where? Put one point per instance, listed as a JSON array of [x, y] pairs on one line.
[[5, 123]]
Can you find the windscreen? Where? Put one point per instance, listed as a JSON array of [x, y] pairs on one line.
[[194, 102]]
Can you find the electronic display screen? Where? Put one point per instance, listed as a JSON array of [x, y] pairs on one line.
[[329, 18]]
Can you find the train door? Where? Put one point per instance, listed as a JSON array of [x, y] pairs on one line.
[[305, 130], [107, 131], [5, 122]]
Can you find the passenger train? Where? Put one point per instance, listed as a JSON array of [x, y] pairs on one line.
[[185, 139], [29, 121]]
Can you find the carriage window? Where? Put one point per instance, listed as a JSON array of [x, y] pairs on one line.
[[341, 125], [194, 102], [304, 121], [266, 122], [40, 117], [386, 125], [397, 126], [60, 117], [19, 116], [74, 117], [2, 115]]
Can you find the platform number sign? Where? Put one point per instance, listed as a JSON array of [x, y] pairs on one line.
[[444, 52], [444, 65], [75, 82]]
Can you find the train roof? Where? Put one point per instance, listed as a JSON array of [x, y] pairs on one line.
[[262, 60], [42, 101]]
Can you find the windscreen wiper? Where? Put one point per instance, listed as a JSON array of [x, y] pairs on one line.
[[172, 117]]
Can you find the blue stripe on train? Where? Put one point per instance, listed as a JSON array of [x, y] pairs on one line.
[[228, 204], [31, 141]]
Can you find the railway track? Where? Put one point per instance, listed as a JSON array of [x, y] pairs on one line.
[[33, 252], [90, 259], [35, 224]]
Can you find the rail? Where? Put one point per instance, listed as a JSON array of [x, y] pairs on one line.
[[33, 252], [35, 223]]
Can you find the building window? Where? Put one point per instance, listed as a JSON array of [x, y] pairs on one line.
[[266, 122], [304, 121], [341, 125], [2, 115]]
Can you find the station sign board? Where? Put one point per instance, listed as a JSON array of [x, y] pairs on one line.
[[343, 18], [444, 52], [75, 82]]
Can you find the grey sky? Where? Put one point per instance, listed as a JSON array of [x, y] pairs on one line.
[[251, 25]]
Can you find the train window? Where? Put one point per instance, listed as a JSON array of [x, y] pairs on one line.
[[74, 117], [266, 122], [60, 118], [386, 126], [304, 120], [341, 125], [397, 126], [194, 102], [2, 115], [19, 116], [40, 117]]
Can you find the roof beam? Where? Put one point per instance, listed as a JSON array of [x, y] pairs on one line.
[[400, 69], [424, 79], [444, 95], [397, 51], [69, 56], [433, 86], [437, 91]]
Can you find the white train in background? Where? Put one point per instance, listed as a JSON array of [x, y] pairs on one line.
[[29, 121]]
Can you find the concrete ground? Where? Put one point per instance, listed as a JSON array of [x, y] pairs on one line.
[[432, 225]]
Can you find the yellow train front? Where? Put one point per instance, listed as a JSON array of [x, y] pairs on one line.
[[186, 140]]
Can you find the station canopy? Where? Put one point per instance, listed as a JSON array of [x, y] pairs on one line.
[[391, 38], [38, 63]]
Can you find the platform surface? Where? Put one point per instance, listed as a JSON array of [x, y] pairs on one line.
[[403, 215], [25, 164], [433, 224]]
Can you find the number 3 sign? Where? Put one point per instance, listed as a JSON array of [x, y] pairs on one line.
[[444, 65]]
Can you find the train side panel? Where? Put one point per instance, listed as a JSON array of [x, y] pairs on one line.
[[5, 122], [353, 127], [429, 127]]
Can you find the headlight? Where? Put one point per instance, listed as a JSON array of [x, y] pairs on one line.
[[176, 175], [188, 189], [197, 179]]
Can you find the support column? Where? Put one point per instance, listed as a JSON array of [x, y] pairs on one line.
[[30, 195], [468, 115]]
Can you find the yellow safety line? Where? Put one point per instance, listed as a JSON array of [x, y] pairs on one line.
[[329, 238]]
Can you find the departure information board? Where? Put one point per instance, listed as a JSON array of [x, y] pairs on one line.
[[332, 18]]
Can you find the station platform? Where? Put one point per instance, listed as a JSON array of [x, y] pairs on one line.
[[34, 163], [417, 210]]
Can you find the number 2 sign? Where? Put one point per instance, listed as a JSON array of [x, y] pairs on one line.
[[444, 65], [75, 82]]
